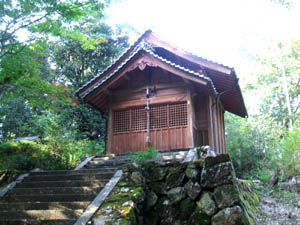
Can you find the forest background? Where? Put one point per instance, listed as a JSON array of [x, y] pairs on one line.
[[66, 43]]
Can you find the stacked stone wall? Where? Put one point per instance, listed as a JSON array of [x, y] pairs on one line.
[[203, 192]]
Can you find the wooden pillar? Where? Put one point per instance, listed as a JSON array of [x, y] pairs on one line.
[[190, 112], [224, 138], [218, 128], [210, 121], [109, 128]]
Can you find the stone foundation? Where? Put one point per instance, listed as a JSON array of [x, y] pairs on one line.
[[204, 192]]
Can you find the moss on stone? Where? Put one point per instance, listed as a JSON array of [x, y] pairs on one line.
[[211, 161], [199, 163], [157, 173], [226, 196], [199, 217], [185, 208], [192, 173], [175, 177], [249, 200], [158, 187], [206, 204], [162, 205], [176, 189]]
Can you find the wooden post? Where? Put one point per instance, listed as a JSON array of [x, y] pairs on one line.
[[190, 111], [210, 121], [109, 128]]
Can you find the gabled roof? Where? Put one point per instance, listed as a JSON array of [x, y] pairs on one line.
[[222, 80]]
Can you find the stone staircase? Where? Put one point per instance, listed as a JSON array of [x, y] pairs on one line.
[[52, 197], [61, 197]]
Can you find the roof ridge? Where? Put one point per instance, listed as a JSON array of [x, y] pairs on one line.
[[143, 45], [188, 52]]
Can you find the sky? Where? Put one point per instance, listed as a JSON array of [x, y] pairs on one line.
[[227, 32]]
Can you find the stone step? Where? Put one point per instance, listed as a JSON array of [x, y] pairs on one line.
[[111, 162], [65, 183], [104, 167], [83, 177], [73, 172], [41, 214], [95, 166], [43, 206], [54, 190], [48, 198], [38, 222], [106, 158]]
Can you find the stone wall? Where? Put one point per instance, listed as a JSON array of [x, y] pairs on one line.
[[202, 192]]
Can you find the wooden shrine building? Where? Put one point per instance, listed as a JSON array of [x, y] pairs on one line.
[[158, 95]]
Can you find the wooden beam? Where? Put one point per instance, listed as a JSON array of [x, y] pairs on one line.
[[153, 100], [143, 88], [186, 81]]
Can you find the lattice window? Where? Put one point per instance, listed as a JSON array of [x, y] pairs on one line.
[[138, 118], [178, 114], [121, 120], [158, 116], [161, 116]]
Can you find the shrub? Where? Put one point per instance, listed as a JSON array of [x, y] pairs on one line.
[[151, 153], [55, 153], [289, 160]]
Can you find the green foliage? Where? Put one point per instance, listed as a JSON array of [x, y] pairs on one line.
[[246, 144], [289, 159], [279, 63], [41, 18], [151, 153], [27, 155], [77, 65], [39, 75], [14, 117], [20, 77]]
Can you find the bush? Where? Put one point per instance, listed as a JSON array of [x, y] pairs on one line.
[[245, 143], [151, 153], [55, 153], [289, 159]]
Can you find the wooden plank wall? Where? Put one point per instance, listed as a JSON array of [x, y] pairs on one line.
[[163, 138]]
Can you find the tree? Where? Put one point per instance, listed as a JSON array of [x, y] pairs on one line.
[[20, 75], [278, 77], [76, 65], [250, 143], [14, 118], [27, 25], [41, 17]]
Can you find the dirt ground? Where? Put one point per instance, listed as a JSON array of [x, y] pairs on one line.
[[279, 209]]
